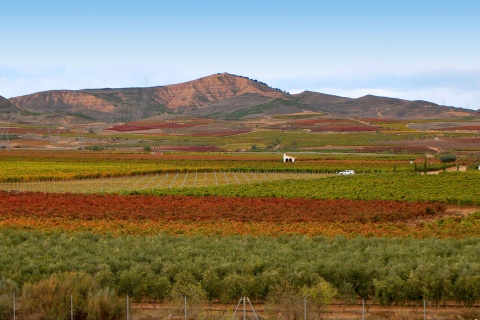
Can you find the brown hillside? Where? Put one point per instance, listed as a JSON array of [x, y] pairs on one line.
[[201, 92], [371, 106], [136, 103], [223, 96], [63, 100], [5, 104]]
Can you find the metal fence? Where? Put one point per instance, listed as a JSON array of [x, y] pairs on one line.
[[246, 309]]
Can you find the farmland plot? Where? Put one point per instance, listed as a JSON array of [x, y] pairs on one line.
[[177, 179]]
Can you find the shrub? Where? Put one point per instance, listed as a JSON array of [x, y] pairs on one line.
[[96, 148], [104, 304], [6, 304], [50, 298], [7, 288], [448, 157], [284, 299]]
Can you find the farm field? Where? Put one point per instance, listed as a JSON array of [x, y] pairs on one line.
[[459, 188], [231, 225], [297, 135], [45, 165], [24, 166], [229, 216], [167, 180]]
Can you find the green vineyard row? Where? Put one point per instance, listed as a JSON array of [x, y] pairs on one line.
[[448, 187]]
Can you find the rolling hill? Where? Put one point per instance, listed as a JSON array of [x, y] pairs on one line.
[[222, 96]]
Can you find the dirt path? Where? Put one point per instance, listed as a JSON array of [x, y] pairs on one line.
[[380, 114]]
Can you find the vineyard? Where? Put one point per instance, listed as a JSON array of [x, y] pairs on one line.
[[157, 181], [213, 215], [34, 166], [448, 187], [218, 226]]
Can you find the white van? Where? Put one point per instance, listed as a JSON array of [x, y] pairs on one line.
[[345, 172]]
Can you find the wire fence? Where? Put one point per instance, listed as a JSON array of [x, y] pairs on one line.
[[158, 181], [246, 309]]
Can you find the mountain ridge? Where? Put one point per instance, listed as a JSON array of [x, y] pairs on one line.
[[219, 96]]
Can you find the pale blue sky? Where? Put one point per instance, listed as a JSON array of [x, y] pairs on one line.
[[407, 49]]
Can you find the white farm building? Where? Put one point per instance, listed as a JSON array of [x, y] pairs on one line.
[[287, 158]]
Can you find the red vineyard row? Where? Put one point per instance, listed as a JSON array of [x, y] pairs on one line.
[[189, 208], [325, 121], [219, 133], [186, 148], [140, 127], [352, 128]]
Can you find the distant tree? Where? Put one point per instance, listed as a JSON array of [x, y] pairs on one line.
[[448, 157]]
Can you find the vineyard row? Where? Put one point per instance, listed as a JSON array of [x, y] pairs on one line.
[[157, 181]]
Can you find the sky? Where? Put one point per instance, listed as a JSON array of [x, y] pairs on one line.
[[415, 50]]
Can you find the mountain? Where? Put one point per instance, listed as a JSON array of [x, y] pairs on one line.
[[371, 106], [224, 96], [137, 103], [5, 105]]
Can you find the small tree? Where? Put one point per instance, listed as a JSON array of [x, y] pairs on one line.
[[319, 295], [187, 286], [448, 157], [284, 301]]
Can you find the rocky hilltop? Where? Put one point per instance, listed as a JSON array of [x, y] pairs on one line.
[[224, 96]]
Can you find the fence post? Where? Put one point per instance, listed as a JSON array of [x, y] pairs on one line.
[[14, 306], [71, 307], [305, 308], [128, 311], [424, 310], [363, 309], [185, 306]]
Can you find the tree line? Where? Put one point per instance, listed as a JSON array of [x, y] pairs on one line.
[[159, 268]]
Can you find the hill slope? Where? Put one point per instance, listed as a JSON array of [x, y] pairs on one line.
[[5, 105], [371, 106], [224, 96], [137, 103]]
